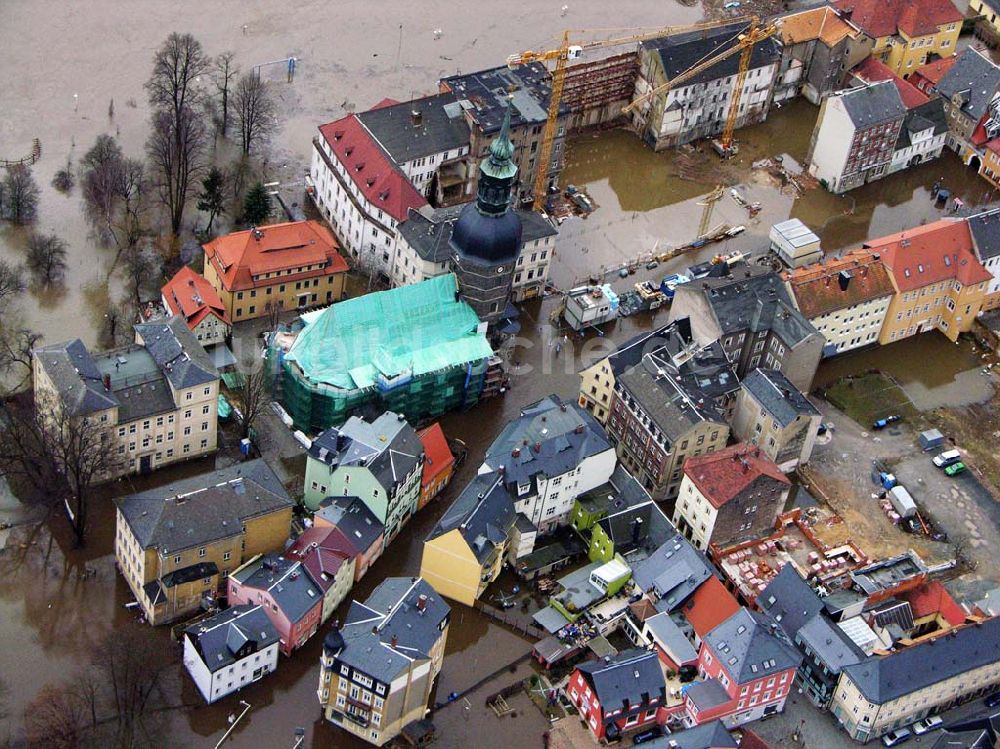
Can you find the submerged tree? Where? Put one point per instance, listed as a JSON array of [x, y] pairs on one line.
[[255, 111], [256, 205], [177, 142], [19, 195], [212, 199], [224, 72], [46, 258], [115, 190]]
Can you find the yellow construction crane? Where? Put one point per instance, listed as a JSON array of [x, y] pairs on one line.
[[562, 56], [744, 45], [709, 202]]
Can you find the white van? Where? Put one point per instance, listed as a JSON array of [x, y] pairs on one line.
[[947, 458]]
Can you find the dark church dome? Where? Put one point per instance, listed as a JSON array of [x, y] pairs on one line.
[[493, 239]]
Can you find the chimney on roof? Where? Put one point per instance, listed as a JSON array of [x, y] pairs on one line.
[[515, 453], [394, 642], [538, 447], [844, 279], [746, 465], [421, 603], [107, 381], [578, 429], [416, 117], [374, 629]]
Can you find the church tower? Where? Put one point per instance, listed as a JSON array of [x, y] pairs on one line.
[[486, 239]]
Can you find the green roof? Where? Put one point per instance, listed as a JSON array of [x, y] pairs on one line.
[[404, 332]]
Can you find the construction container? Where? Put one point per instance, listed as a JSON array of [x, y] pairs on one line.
[[902, 501], [931, 439]]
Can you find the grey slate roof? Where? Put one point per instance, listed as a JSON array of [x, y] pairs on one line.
[[975, 78], [678, 647], [619, 493], [673, 572], [352, 517], [292, 589], [930, 114], [625, 677], [219, 638], [778, 396], [884, 678], [430, 236], [830, 644], [670, 406], [789, 601], [639, 527], [392, 610], [873, 104], [669, 340], [706, 736], [75, 377], [441, 128], [483, 95], [549, 438], [204, 508], [483, 514], [177, 352], [747, 650], [755, 300], [707, 694], [388, 446], [678, 52], [985, 228]]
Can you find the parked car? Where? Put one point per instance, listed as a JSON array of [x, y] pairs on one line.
[[954, 469], [927, 725], [993, 700], [897, 737], [653, 733], [883, 423], [947, 458]]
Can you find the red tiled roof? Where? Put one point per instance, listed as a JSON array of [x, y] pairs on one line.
[[881, 18], [931, 598], [723, 475], [709, 606], [873, 69], [191, 295], [386, 102], [994, 146], [933, 72], [979, 136], [322, 552], [383, 185], [816, 287], [437, 454], [240, 256], [927, 254]]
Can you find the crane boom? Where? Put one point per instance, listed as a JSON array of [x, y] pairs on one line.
[[562, 56]]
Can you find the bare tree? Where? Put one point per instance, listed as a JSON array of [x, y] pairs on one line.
[[143, 269], [57, 457], [176, 150], [224, 72], [19, 200], [252, 393], [255, 110], [174, 84], [117, 322], [46, 258], [11, 283], [56, 718], [177, 142], [115, 191], [133, 668]]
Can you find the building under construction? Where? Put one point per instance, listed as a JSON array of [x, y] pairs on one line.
[[596, 91], [417, 350]]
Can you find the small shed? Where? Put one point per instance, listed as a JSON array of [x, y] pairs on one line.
[[931, 439]]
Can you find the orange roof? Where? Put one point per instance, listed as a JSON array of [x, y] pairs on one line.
[[816, 287], [381, 182], [994, 146], [935, 71], [881, 18], [932, 598], [930, 253], [241, 258], [819, 23], [437, 454], [724, 474], [709, 606], [873, 70], [191, 295]]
